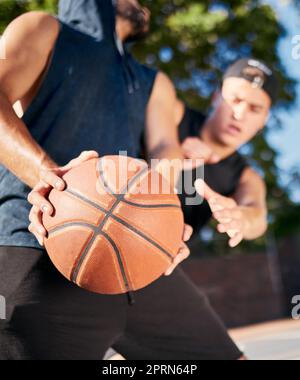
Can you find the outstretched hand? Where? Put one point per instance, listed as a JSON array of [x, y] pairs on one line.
[[226, 212]]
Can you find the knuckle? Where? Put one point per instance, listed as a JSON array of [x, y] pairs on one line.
[[191, 140], [206, 149], [29, 198], [43, 174]]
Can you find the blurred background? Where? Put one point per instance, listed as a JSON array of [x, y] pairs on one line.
[[193, 42]]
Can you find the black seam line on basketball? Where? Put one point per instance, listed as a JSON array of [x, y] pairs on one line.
[[77, 195], [78, 224], [86, 200], [107, 216], [72, 224], [141, 234], [151, 206], [97, 231], [101, 172], [119, 199], [118, 254], [76, 269]]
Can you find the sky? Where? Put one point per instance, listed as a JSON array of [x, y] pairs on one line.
[[287, 141]]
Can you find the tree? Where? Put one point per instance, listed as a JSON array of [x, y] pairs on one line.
[[10, 9]]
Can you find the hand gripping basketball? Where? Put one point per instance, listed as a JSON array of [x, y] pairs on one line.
[[111, 236]]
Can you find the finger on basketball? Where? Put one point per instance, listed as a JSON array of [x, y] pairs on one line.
[[38, 200], [52, 179], [84, 156], [188, 232], [182, 255], [35, 217], [39, 238]]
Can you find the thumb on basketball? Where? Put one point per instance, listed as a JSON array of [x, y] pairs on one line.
[[188, 232], [183, 252], [84, 156]]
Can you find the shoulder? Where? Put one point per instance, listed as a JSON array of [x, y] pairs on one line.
[[164, 82], [38, 30], [27, 44], [251, 175], [164, 87]]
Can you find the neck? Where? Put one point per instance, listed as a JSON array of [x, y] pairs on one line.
[[123, 29], [208, 137]]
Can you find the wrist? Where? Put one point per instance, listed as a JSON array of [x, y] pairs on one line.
[[246, 220], [46, 163]]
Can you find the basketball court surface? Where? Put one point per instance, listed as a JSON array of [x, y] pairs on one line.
[[278, 340]]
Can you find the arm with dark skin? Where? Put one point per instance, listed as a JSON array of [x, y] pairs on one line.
[[27, 43], [162, 143]]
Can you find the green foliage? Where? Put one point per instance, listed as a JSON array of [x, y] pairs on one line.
[[204, 37], [195, 21], [43, 5], [10, 9]]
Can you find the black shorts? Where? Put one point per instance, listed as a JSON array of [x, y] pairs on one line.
[[48, 317]]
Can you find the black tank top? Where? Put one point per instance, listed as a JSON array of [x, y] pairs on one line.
[[222, 177]]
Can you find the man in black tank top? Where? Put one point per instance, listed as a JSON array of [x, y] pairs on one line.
[[59, 75], [234, 193]]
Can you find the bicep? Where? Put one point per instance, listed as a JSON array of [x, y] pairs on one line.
[[160, 121], [251, 190], [25, 47]]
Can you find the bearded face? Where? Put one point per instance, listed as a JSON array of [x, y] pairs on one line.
[[136, 15]]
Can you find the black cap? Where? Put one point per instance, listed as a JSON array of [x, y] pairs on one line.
[[256, 72]]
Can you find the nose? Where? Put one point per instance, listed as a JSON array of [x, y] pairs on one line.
[[239, 111]]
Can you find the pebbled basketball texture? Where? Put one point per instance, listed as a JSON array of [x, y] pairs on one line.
[[110, 232]]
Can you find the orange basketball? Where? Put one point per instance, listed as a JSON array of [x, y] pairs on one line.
[[115, 228]]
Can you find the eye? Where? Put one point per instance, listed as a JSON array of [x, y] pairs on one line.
[[255, 109], [236, 100]]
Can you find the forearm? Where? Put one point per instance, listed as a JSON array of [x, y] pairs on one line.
[[170, 163], [19, 152], [256, 222]]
